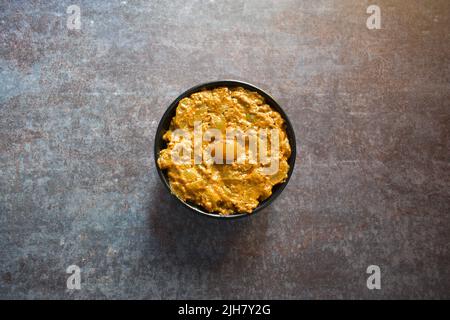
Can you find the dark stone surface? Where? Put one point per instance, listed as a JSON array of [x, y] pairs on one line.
[[79, 110]]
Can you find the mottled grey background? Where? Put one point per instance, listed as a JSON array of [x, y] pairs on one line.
[[79, 110]]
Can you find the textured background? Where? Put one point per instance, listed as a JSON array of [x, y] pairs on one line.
[[79, 110]]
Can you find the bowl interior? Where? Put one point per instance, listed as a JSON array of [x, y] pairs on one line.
[[164, 124]]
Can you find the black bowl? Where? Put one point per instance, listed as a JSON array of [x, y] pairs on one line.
[[164, 124]]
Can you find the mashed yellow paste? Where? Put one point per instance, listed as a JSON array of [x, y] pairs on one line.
[[224, 188]]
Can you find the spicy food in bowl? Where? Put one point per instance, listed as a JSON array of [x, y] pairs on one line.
[[226, 150]]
